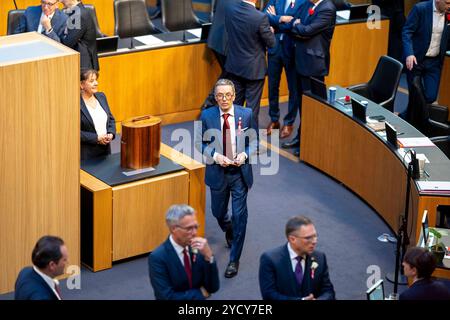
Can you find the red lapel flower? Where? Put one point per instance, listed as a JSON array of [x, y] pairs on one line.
[[448, 17], [311, 11]]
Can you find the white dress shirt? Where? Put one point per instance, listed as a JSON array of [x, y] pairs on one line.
[[52, 283], [40, 27], [179, 250], [99, 117], [232, 123], [293, 255], [436, 34]]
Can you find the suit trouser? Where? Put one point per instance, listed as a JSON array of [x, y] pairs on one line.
[[429, 69], [276, 62], [221, 59], [250, 92], [235, 186]]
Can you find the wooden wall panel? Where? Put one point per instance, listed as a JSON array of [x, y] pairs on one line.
[[39, 155]]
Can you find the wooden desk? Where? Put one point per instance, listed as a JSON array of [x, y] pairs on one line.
[[129, 219], [444, 87], [356, 156]]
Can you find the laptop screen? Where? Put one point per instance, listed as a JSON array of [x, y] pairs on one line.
[[318, 88], [107, 44], [376, 292], [358, 11], [391, 134], [359, 110]]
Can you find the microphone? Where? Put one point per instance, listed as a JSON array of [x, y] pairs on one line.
[[415, 165], [15, 4]]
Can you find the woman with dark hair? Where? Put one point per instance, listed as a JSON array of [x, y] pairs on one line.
[[98, 127], [418, 265]]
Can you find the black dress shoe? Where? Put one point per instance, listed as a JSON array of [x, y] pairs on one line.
[[229, 235], [291, 144], [232, 269], [297, 152]]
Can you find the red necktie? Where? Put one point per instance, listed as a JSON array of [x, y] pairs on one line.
[[58, 290], [226, 138], [187, 267]]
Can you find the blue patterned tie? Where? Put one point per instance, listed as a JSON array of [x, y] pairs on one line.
[[299, 271]]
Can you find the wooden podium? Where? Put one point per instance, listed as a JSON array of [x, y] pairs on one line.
[[39, 148]]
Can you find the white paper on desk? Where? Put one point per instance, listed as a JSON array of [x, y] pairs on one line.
[[416, 142], [196, 32], [149, 40], [344, 14], [434, 185]]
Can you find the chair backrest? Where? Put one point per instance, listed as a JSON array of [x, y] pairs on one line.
[[91, 9], [443, 143], [384, 82], [178, 15], [13, 20], [131, 19]]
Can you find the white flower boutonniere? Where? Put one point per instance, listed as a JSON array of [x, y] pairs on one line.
[[314, 266]]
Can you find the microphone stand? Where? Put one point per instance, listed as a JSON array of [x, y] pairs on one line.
[[184, 21], [15, 4], [131, 25]]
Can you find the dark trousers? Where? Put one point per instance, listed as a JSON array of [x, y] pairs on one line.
[[236, 187], [250, 92], [276, 62], [211, 100], [430, 71]]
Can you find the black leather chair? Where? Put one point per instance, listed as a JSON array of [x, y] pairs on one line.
[[13, 20], [443, 143], [382, 87], [93, 13], [430, 119], [131, 19], [179, 15]]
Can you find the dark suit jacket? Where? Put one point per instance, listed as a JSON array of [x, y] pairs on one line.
[[426, 289], [417, 31], [277, 280], [89, 146], [211, 142], [280, 28], [82, 39], [31, 286], [313, 39], [218, 37], [248, 37], [31, 19], [169, 279]]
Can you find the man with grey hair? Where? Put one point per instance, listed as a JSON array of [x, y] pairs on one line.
[[227, 140], [295, 271], [183, 267]]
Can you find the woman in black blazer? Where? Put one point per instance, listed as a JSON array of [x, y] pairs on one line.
[[98, 127]]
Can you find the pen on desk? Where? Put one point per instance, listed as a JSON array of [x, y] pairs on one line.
[[426, 173], [400, 133]]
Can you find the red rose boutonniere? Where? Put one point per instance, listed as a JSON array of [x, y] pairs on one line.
[[314, 266], [311, 11]]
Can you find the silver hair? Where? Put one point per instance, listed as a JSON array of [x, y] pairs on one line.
[[178, 212], [224, 82]]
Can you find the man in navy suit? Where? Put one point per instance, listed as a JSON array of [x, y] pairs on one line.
[[418, 265], [183, 267], [38, 282], [281, 13], [249, 35], [45, 19], [295, 271], [313, 30], [425, 40], [228, 140]]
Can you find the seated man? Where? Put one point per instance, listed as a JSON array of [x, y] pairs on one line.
[[46, 19], [154, 12]]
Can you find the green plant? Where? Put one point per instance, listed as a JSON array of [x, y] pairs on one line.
[[436, 246]]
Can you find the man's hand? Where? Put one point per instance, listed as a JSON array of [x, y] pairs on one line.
[[46, 24], [272, 29], [410, 62], [286, 19], [104, 139], [297, 21], [310, 297], [205, 293], [201, 244], [223, 161], [240, 159], [271, 10]]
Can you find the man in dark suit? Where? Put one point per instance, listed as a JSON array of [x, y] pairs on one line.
[[313, 30], [425, 40], [218, 41], [295, 271], [228, 140], [183, 267], [249, 35], [282, 56], [45, 19], [38, 282], [418, 265], [80, 33]]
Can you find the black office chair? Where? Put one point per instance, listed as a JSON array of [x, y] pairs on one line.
[[382, 87], [13, 20], [443, 143], [93, 13], [179, 15], [430, 119], [131, 19]]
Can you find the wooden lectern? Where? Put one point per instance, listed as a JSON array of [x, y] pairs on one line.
[[40, 148], [141, 141]]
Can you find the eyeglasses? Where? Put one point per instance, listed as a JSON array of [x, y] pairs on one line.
[[308, 238], [189, 229], [48, 4], [227, 95]]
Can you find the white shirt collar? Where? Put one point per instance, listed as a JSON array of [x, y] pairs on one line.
[[251, 3], [50, 281], [317, 3], [230, 112], [292, 254], [178, 249], [50, 16]]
